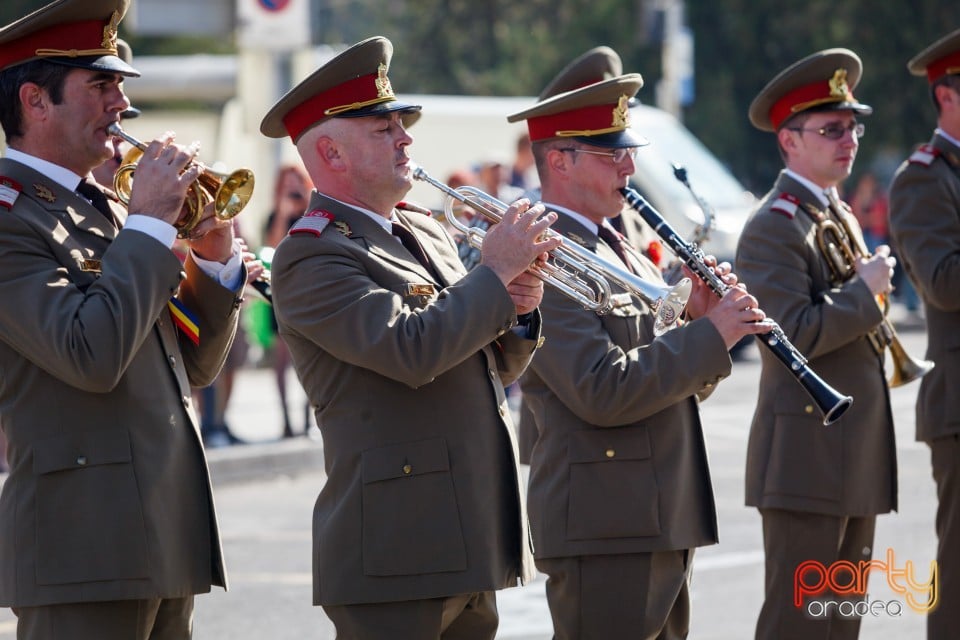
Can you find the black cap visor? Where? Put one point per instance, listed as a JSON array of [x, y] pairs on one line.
[[107, 63]]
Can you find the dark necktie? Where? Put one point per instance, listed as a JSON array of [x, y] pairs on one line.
[[413, 246], [615, 241], [94, 193]]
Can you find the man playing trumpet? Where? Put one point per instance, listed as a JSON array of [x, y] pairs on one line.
[[107, 523]]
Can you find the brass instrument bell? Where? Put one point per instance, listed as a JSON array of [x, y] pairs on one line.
[[230, 193]]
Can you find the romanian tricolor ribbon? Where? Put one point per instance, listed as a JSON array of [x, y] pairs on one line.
[[184, 320]]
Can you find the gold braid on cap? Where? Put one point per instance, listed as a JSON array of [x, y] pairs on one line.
[[108, 44], [620, 122], [839, 92], [384, 94]]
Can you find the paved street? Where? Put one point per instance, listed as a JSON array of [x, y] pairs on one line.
[[265, 494]]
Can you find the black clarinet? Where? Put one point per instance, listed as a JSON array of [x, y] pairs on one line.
[[831, 403]]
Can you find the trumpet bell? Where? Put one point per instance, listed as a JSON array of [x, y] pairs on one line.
[[230, 193], [905, 368]]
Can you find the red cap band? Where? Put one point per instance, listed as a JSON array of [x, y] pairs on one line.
[[804, 98], [947, 65], [64, 40], [352, 94], [592, 120]]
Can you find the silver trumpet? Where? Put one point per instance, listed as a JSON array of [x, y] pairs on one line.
[[571, 268]]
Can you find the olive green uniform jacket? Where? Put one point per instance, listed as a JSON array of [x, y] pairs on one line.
[[109, 495], [793, 461], [423, 496], [925, 228], [620, 464]]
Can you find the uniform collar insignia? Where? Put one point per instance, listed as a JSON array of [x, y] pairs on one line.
[[576, 238], [343, 228], [9, 191], [44, 192]]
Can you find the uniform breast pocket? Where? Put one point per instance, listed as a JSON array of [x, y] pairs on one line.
[[613, 486], [90, 524], [411, 524]]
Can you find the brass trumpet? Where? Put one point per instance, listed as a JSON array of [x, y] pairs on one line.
[[229, 192], [572, 269], [840, 245]]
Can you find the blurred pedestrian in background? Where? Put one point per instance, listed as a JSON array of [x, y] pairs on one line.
[[925, 224], [291, 193], [421, 518], [818, 489]]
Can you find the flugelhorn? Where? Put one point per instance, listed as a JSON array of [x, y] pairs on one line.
[[229, 192], [831, 403], [838, 243], [571, 268]]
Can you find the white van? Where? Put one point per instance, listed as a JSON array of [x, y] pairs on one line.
[[455, 132]]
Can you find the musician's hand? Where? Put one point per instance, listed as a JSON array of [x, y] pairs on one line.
[[510, 246], [703, 298], [212, 238], [877, 270], [736, 315], [526, 290], [161, 182], [254, 266]]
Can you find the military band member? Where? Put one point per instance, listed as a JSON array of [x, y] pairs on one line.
[[925, 227], [107, 522], [404, 354], [818, 488], [620, 492]]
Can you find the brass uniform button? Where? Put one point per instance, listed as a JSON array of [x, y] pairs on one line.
[[611, 453], [407, 469]]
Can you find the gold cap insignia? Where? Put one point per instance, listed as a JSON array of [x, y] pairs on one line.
[[838, 84], [384, 89], [110, 32], [43, 191], [621, 113]]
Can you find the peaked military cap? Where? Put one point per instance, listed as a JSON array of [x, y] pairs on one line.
[[76, 33], [596, 65], [597, 114], [823, 81], [354, 84], [942, 58]]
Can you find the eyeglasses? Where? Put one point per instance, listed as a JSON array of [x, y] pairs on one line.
[[618, 155], [835, 131]]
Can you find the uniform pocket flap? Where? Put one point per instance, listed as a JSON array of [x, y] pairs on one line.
[[596, 445], [81, 450], [405, 459]]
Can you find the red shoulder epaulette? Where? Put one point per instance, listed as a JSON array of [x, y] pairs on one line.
[[416, 208], [9, 192], [924, 155], [313, 222], [786, 204]]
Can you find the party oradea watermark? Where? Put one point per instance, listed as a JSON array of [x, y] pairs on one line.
[[840, 588]]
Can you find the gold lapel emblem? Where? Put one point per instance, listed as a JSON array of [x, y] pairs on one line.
[[621, 113], [814, 212], [91, 265], [838, 84], [420, 289], [384, 89], [43, 191], [343, 228], [110, 32]]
